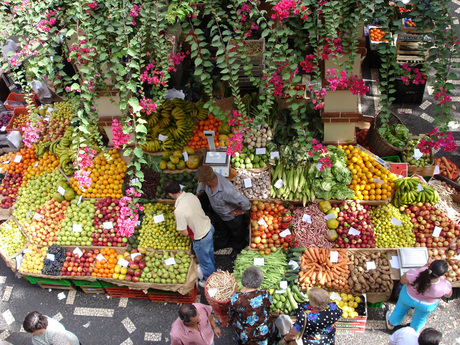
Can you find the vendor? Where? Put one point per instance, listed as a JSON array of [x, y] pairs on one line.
[[229, 205]]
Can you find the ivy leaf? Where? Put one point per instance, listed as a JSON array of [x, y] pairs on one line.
[[74, 87], [134, 103], [141, 129], [198, 61], [138, 152]]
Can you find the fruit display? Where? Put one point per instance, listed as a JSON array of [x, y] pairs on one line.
[[133, 271], [249, 159], [33, 259], [19, 161], [185, 179], [259, 138], [47, 163], [253, 185], [170, 126], [447, 168], [448, 196], [411, 190], [62, 148], [310, 228], [371, 181], [287, 302], [160, 232], [409, 23], [164, 267], [60, 117], [12, 240], [9, 189], [376, 34], [5, 117], [179, 160], [77, 226], [79, 263], [107, 176], [352, 306], [149, 185], [449, 254], [392, 227], [410, 156], [354, 226], [46, 222], [369, 272], [199, 141], [268, 220], [20, 119], [54, 259], [105, 222]]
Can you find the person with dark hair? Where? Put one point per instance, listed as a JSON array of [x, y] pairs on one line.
[[408, 336], [47, 331], [250, 310], [194, 326], [422, 289], [229, 204], [192, 221]]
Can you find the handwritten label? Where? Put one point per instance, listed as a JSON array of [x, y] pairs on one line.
[[334, 256], [293, 264], [212, 292], [319, 166], [306, 218], [377, 180], [274, 154], [123, 263], [335, 296], [6, 162], [37, 216], [262, 222], [278, 184], [181, 186], [261, 151], [370, 265], [76, 227], [107, 225], [354, 232], [329, 216], [162, 137], [259, 261], [50, 257], [417, 154], [28, 213], [395, 221], [3, 129], [101, 257], [437, 171], [158, 219], [36, 164], [436, 231], [285, 233], [247, 183], [394, 262], [61, 190], [185, 155], [283, 284], [419, 187], [78, 252], [79, 200], [17, 159], [170, 261]]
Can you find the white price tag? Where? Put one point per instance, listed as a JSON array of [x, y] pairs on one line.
[[61, 190], [335, 296], [394, 262], [395, 221], [457, 257], [123, 263], [274, 154], [417, 154], [437, 171], [247, 183], [101, 257], [162, 137], [319, 166], [1, 169], [370, 265], [283, 284], [76, 227], [49, 110], [306, 218], [79, 200], [133, 255], [27, 251], [107, 225], [138, 223], [329, 216], [285, 233], [377, 180], [6, 162], [259, 261], [50, 257], [419, 187], [212, 292], [334, 256], [37, 216], [78, 252], [293, 264], [185, 155], [280, 292], [28, 213], [170, 261], [278, 184], [436, 231], [158, 219], [36, 164], [262, 222], [17, 159], [19, 259], [354, 232], [3, 129], [261, 151], [181, 186], [8, 226]]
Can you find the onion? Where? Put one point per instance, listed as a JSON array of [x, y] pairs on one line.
[[442, 251], [451, 253], [434, 252], [451, 274], [455, 267], [453, 246]]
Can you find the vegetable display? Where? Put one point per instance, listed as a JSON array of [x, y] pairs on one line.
[[396, 135], [249, 159], [369, 272], [447, 168], [409, 155], [224, 283], [253, 185], [310, 229], [287, 302], [411, 191], [451, 256]]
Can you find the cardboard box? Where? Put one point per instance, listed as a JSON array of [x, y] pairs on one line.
[[354, 325], [375, 157]]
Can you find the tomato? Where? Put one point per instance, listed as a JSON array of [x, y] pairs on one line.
[[256, 233], [254, 208], [261, 252], [261, 227], [267, 251], [285, 244], [253, 245], [277, 205], [270, 228], [276, 226], [272, 213], [260, 214], [260, 246], [275, 210], [266, 213], [261, 206], [275, 236], [268, 207], [270, 240], [277, 242], [281, 207], [264, 236], [282, 240]]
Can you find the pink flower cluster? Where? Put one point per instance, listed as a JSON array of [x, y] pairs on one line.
[[47, 24], [278, 81], [148, 105], [83, 179], [240, 125], [81, 52], [318, 101], [353, 83], [283, 8], [32, 133], [437, 140], [85, 158], [307, 64], [176, 59], [415, 74], [129, 216], [244, 12], [442, 96], [318, 149], [119, 138], [134, 13], [156, 77]]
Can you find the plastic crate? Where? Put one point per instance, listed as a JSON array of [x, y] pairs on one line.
[[85, 283], [17, 112], [17, 97], [105, 284], [63, 282], [123, 291], [411, 94], [90, 289], [394, 159], [173, 297]]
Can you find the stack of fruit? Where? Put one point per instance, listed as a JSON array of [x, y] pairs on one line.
[[47, 163], [77, 227], [19, 161], [105, 222], [287, 302], [166, 267], [413, 156], [61, 115], [185, 179], [249, 159], [411, 190], [351, 305], [178, 160], [12, 240], [33, 260], [9, 189], [79, 264], [55, 257], [133, 271], [199, 141], [105, 262]]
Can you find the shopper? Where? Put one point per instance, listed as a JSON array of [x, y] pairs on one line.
[[192, 221], [194, 326], [408, 336], [229, 205], [422, 289], [250, 311], [315, 320], [47, 331]]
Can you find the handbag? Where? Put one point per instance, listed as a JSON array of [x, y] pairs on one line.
[[299, 340]]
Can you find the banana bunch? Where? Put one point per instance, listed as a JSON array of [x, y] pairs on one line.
[[202, 112], [62, 148], [295, 185], [410, 191], [173, 123]]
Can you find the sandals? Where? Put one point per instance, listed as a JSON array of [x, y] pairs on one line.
[[387, 322]]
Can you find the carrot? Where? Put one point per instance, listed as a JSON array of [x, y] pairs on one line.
[[316, 252], [307, 254], [444, 161]]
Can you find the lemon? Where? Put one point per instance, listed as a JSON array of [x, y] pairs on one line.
[[345, 315], [357, 299]]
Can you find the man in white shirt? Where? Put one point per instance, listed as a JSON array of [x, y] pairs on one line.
[[408, 336]]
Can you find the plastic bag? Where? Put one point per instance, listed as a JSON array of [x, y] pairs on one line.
[[173, 93], [42, 91], [199, 271], [283, 323]]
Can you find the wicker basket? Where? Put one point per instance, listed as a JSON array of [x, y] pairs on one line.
[[377, 143]]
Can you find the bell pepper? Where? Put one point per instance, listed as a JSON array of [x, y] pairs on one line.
[[284, 226]]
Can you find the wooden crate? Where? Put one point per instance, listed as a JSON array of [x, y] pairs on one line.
[[91, 289], [56, 286]]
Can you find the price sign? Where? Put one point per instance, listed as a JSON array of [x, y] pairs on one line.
[[28, 213], [212, 292], [262, 222], [76, 227], [283, 284], [1, 169], [6, 162], [170, 261], [354, 232], [61, 190], [259, 261], [17, 159], [437, 171], [395, 221], [101, 257], [285, 233], [158, 219], [50, 257], [419, 187], [306, 218], [247, 183], [79, 200], [123, 263], [36, 164], [8, 226], [107, 225], [370, 265], [133, 255], [293, 264], [334, 256], [335, 296], [417, 154], [274, 154], [278, 184], [162, 137], [329, 216], [78, 252], [3, 129], [185, 155], [261, 151], [377, 180], [37, 216], [436, 231]]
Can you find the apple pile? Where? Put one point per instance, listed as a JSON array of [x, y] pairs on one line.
[[425, 219], [12, 239], [9, 189], [166, 267], [60, 118], [355, 228], [449, 254], [33, 260], [77, 227], [133, 271], [46, 222], [105, 221], [54, 259], [79, 265]]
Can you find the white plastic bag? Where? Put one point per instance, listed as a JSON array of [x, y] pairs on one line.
[[283, 323], [199, 270], [173, 93], [42, 91]]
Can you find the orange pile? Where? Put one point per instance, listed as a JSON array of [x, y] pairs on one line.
[[47, 163], [106, 177], [371, 181], [28, 158], [105, 268], [376, 34], [198, 140]]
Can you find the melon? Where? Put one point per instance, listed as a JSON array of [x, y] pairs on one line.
[[193, 162], [69, 194], [58, 197], [224, 128]]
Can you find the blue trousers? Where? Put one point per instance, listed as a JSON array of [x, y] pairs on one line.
[[204, 250], [405, 302]]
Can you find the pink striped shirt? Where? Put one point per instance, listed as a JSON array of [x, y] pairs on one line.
[[183, 335]]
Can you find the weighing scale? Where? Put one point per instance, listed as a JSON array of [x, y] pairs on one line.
[[410, 258], [219, 161]]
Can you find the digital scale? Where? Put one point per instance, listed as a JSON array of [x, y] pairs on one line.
[[219, 161], [410, 258]]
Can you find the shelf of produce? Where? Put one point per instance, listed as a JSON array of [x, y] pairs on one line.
[[17, 112], [355, 324], [10, 260]]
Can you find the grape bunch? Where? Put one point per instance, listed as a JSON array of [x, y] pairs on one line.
[[54, 267]]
